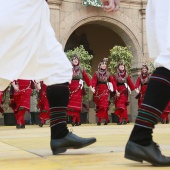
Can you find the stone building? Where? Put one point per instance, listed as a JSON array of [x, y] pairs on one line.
[[75, 24]]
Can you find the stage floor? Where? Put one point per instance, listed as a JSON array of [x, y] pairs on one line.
[[29, 149]]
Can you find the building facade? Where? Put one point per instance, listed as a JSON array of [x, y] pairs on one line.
[[75, 24]]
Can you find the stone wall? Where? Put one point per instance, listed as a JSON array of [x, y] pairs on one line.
[[128, 23]]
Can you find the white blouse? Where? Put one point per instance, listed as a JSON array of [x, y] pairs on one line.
[[158, 31], [28, 47]]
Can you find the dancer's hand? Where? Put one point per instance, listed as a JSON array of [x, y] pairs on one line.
[[137, 91], [111, 5], [92, 89], [16, 88], [38, 86], [117, 93]]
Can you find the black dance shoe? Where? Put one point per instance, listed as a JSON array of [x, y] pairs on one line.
[[105, 123], [73, 123], [77, 124], [119, 123], [41, 124], [98, 123], [124, 122], [22, 126], [18, 126], [70, 141], [163, 121], [151, 154]]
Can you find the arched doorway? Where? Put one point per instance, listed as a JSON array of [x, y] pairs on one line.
[[97, 40], [97, 31], [101, 30]]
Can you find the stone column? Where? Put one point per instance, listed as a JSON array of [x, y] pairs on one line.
[[137, 71], [54, 6], [143, 29]]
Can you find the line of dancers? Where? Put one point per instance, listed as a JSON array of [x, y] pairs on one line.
[[103, 85]]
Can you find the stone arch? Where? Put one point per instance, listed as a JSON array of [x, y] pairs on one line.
[[120, 23]]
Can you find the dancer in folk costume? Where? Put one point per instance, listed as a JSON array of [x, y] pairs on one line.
[[76, 91], [43, 103], [141, 84], [103, 83], [124, 84], [140, 146], [30, 38], [22, 94], [164, 116]]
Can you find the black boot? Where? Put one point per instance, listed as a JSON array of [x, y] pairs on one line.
[[18, 126], [73, 123], [105, 123], [22, 127], [58, 97], [140, 146], [98, 123], [119, 123], [70, 141], [77, 124], [163, 121], [141, 135], [41, 124], [124, 122], [151, 154], [61, 138]]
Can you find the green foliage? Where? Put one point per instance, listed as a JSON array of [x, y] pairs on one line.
[[118, 54], [84, 57], [34, 93], [151, 67], [6, 99]]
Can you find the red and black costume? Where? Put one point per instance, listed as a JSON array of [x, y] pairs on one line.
[[43, 104], [141, 83], [76, 93], [22, 100], [100, 82], [123, 82]]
